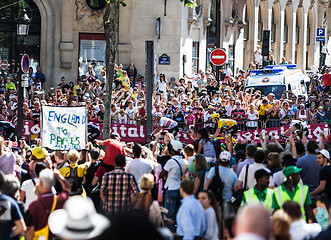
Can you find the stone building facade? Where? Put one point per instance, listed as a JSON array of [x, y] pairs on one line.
[[63, 22], [180, 32], [292, 23]]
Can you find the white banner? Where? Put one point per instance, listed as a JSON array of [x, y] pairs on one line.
[[64, 128]]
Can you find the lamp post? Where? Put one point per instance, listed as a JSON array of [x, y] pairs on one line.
[[23, 23]]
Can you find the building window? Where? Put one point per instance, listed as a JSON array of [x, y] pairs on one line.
[[9, 41], [260, 27], [285, 34], [308, 36], [273, 32], [246, 27], [96, 4], [231, 57], [297, 35], [92, 52], [273, 27], [285, 37], [195, 57]]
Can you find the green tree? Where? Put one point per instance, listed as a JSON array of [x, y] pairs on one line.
[[110, 19]]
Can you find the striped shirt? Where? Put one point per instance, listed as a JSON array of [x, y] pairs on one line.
[[119, 187]]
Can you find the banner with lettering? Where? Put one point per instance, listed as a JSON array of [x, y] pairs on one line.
[[137, 133], [64, 128]]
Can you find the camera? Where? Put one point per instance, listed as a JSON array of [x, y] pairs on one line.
[[257, 135], [163, 133]]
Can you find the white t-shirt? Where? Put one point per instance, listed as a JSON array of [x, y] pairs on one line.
[[229, 109], [324, 49], [122, 119], [252, 116], [138, 167], [206, 117], [167, 123], [278, 178], [174, 174], [132, 114], [163, 87], [251, 181], [300, 229], [28, 188], [258, 56]]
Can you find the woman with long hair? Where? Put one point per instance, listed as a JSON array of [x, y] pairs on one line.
[[145, 203], [210, 206], [162, 85], [281, 225], [200, 168], [205, 145]]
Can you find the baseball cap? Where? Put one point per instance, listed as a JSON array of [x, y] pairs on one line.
[[38, 153], [324, 152], [114, 136], [176, 145], [225, 156], [291, 170]]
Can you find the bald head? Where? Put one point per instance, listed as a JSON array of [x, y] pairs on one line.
[[254, 219]]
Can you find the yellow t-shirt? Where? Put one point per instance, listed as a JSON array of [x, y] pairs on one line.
[[125, 82], [226, 123], [81, 170], [263, 108]]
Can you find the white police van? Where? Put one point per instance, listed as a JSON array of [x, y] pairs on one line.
[[277, 79]]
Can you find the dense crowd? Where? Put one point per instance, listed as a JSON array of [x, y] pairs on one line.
[[167, 189]]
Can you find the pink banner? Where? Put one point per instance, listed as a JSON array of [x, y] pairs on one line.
[[137, 133]]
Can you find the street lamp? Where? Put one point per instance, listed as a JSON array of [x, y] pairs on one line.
[[23, 23]]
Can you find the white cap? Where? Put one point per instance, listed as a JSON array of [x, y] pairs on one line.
[[176, 145], [225, 156], [157, 114], [324, 152]]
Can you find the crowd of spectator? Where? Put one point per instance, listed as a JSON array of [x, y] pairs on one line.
[[190, 101], [273, 190]]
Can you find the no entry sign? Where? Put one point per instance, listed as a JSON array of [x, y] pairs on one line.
[[25, 63], [4, 64], [218, 57]]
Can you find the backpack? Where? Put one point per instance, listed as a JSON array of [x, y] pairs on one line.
[[217, 186], [75, 182]]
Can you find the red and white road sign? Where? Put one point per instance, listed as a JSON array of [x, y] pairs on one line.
[[218, 57], [4, 64]]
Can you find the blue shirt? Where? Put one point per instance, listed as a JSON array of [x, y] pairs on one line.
[[191, 220], [208, 148], [244, 163], [229, 179], [41, 76], [9, 213], [310, 171]]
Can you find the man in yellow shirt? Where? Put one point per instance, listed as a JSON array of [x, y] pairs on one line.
[[224, 126], [264, 110], [125, 81]]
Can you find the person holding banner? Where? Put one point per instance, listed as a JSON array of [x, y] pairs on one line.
[[74, 173], [114, 148]]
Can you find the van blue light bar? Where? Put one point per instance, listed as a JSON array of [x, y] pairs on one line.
[[288, 66], [263, 71]]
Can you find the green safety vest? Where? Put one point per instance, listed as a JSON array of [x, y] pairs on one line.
[[299, 197], [251, 198]]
